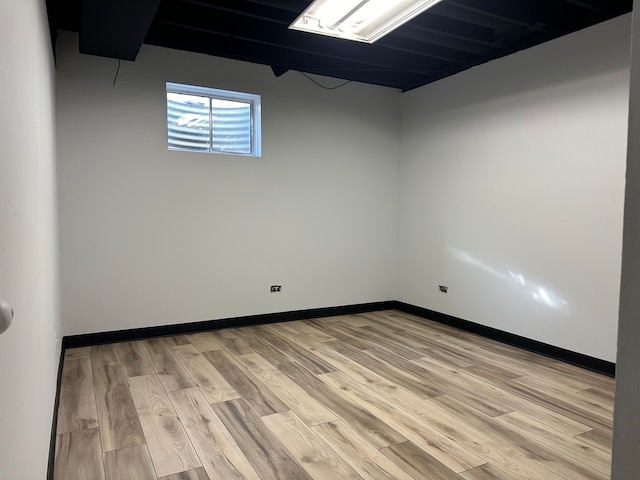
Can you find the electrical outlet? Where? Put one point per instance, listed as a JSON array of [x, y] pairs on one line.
[[276, 288], [443, 288]]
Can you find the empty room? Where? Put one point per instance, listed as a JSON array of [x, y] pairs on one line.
[[234, 249]]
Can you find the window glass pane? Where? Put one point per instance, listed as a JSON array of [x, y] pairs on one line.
[[188, 122], [231, 127], [201, 119]]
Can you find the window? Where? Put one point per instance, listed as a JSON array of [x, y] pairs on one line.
[[203, 119]]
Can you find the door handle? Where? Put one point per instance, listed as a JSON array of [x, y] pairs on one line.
[[6, 315]]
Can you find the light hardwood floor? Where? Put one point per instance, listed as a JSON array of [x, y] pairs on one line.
[[377, 396]]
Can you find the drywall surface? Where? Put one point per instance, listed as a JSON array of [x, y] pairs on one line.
[[155, 237], [29, 352], [511, 181], [626, 432]]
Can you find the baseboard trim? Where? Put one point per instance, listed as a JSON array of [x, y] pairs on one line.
[[87, 339], [558, 353], [585, 361], [54, 422]]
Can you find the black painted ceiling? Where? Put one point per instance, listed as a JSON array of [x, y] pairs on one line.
[[452, 36]]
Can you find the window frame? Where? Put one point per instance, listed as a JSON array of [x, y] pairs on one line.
[[229, 95]]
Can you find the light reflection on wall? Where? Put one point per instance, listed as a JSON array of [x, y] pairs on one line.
[[536, 291]]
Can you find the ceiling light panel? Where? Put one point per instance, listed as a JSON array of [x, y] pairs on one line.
[[358, 20]]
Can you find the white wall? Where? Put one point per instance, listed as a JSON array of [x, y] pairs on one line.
[[626, 432], [152, 237], [28, 240], [511, 181]]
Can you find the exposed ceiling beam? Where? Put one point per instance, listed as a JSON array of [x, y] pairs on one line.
[[431, 21], [516, 12], [224, 23], [293, 55], [436, 39], [450, 37], [430, 29], [473, 16], [115, 28], [279, 71], [584, 4]]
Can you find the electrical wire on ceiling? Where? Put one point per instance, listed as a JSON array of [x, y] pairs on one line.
[[324, 86], [117, 71]]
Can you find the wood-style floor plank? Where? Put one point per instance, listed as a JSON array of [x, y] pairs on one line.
[[197, 474], [471, 347], [176, 340], [482, 399], [463, 385], [77, 402], [170, 373], [389, 372], [333, 329], [604, 398], [569, 446], [547, 463], [211, 383], [591, 378], [363, 457], [79, 456], [170, 449], [133, 359], [77, 352], [254, 392], [365, 423], [305, 358], [204, 341], [562, 407], [596, 409], [457, 428], [267, 351], [380, 396], [416, 462], [378, 339], [355, 320], [485, 472], [221, 456], [310, 410], [104, 356], [305, 328], [550, 385], [447, 452], [417, 346], [339, 361], [491, 372], [273, 462], [117, 416], [230, 340], [132, 463], [469, 389], [600, 438], [307, 448]]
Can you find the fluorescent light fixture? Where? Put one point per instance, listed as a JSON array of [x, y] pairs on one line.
[[359, 20]]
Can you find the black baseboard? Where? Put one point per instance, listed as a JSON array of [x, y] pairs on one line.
[[54, 423], [193, 327], [578, 359], [567, 356]]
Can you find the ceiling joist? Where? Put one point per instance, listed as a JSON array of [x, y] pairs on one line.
[[451, 37], [115, 28]]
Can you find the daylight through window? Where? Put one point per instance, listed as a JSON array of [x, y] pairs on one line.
[[203, 119]]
